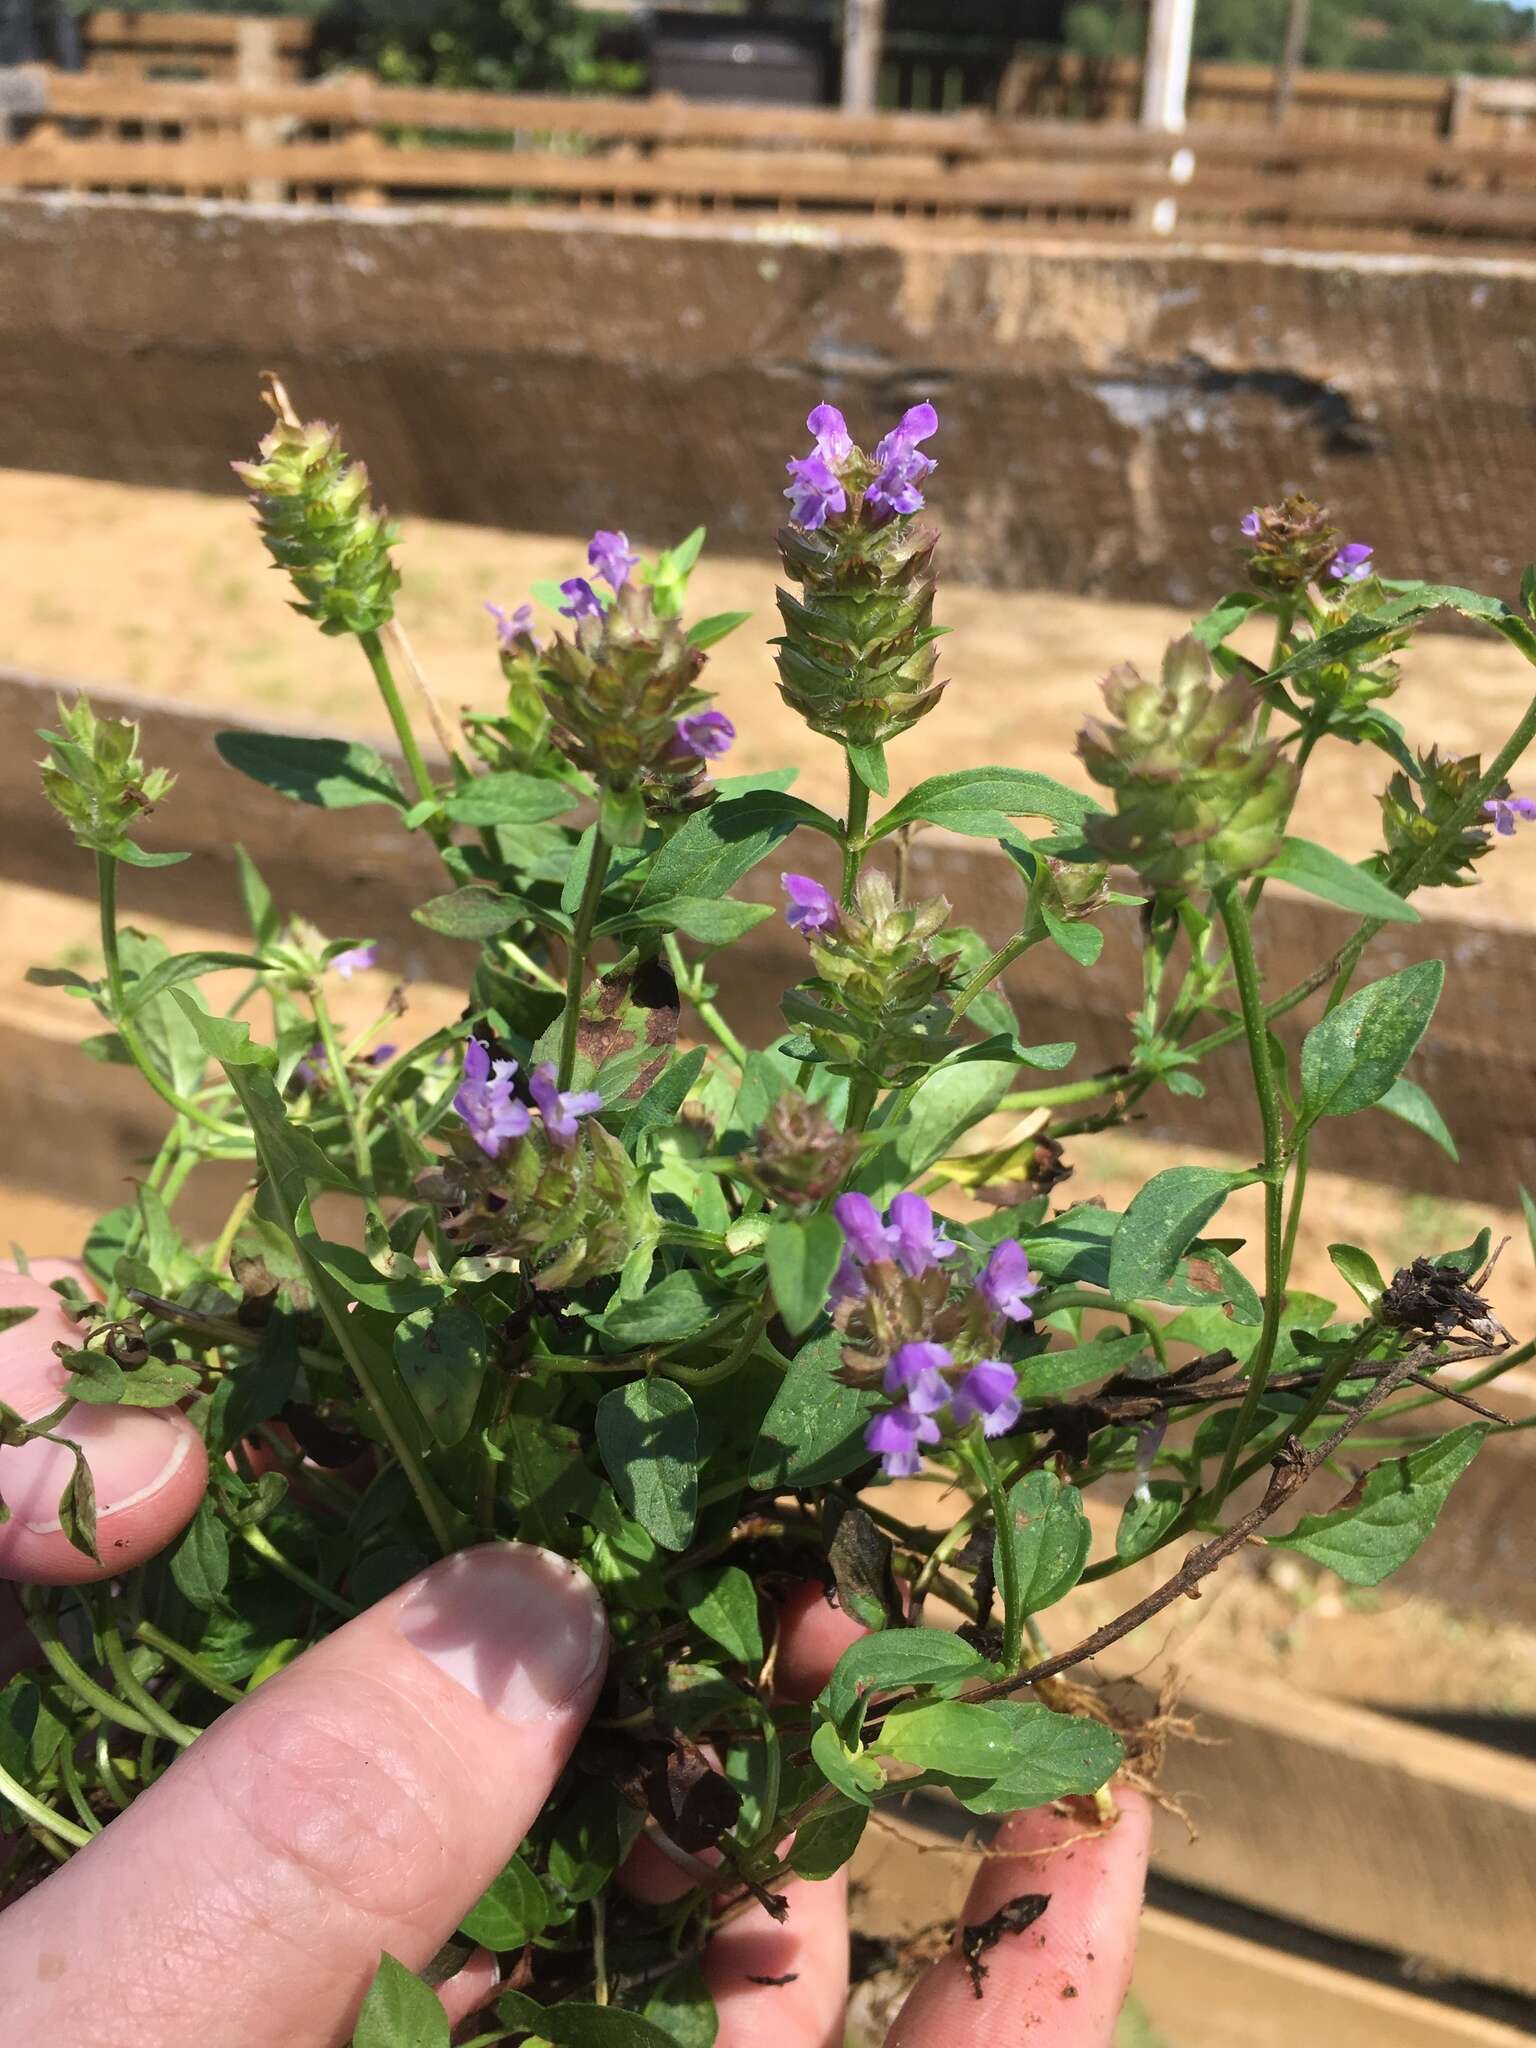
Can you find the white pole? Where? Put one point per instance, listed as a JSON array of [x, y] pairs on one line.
[[863, 30], [1165, 70]]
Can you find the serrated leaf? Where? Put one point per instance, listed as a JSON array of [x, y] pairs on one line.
[[1351, 1058], [648, 1438], [1388, 1514]]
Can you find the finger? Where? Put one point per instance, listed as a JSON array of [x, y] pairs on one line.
[[49, 1270], [149, 1466], [472, 1987], [1060, 1983], [784, 1984], [360, 1801], [813, 1634]]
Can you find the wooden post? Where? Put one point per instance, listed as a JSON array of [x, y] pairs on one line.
[[1297, 22], [863, 31], [1165, 70], [256, 65]]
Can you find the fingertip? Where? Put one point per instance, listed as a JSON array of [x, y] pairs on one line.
[[784, 1984], [813, 1634]]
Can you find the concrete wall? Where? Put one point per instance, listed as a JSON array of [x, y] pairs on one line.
[[1108, 410]]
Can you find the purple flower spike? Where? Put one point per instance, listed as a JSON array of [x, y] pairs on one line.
[[1504, 810], [560, 1110], [989, 1391], [1006, 1283], [491, 1112], [514, 630], [834, 443], [584, 600], [815, 492], [1250, 525], [1352, 563], [897, 488], [811, 908], [867, 1238], [709, 734], [609, 555], [355, 960], [847, 1283], [920, 1241], [895, 1434], [916, 1373]]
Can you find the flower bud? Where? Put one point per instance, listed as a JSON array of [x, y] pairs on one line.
[[878, 999], [1293, 543], [857, 658], [1415, 813], [95, 780], [1198, 799], [799, 1155], [319, 523]]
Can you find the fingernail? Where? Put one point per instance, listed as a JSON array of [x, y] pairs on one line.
[[521, 1629], [132, 1456]]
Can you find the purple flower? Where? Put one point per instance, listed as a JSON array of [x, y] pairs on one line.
[[897, 488], [920, 1241], [916, 1373], [895, 1434], [560, 1110], [382, 1055], [815, 491], [1006, 1284], [584, 600], [355, 960], [311, 1070], [834, 443], [709, 734], [1251, 525], [491, 1112], [1505, 809], [513, 628], [866, 1236], [811, 908], [988, 1391], [609, 555], [847, 1282], [1352, 563]]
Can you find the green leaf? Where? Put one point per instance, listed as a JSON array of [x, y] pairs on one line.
[[1055, 1373], [200, 1561], [711, 631], [981, 803], [363, 1281], [1351, 1058], [648, 1437], [680, 1306], [1077, 938], [227, 1039], [1161, 1223], [400, 2011], [77, 1508], [1386, 1516], [802, 1254], [338, 775], [945, 1106], [710, 921], [659, 1105], [509, 798], [1050, 1756], [1406, 1099], [29, 1734], [580, 2026], [826, 1840], [592, 1834], [868, 763], [683, 2007], [1147, 1517], [724, 1605], [441, 1355], [854, 1775], [962, 1741], [1051, 1538], [94, 1378], [260, 911], [10, 1317], [714, 848], [814, 1430], [183, 967], [1308, 866], [621, 816], [1359, 1271], [1528, 1208], [511, 1911], [476, 911], [893, 1659]]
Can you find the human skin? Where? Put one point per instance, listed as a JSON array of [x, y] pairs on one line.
[[362, 1800]]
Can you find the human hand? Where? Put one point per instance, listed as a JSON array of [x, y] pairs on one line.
[[362, 1800]]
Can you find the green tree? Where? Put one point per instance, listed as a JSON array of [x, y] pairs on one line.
[[1362, 35]]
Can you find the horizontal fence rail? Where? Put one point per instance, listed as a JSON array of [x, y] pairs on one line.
[[351, 141]]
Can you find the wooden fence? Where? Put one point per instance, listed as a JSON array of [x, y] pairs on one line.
[[1407, 1842], [254, 49], [352, 141]]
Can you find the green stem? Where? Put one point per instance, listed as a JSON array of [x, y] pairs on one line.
[[106, 882], [177, 1653], [1234, 917], [232, 1222], [858, 822], [264, 1547], [39, 1815], [346, 1094], [1008, 1578], [139, 1695], [383, 675], [80, 1683], [1003, 958], [576, 963], [1084, 1297]]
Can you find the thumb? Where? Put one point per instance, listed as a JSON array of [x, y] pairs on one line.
[[359, 1801]]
